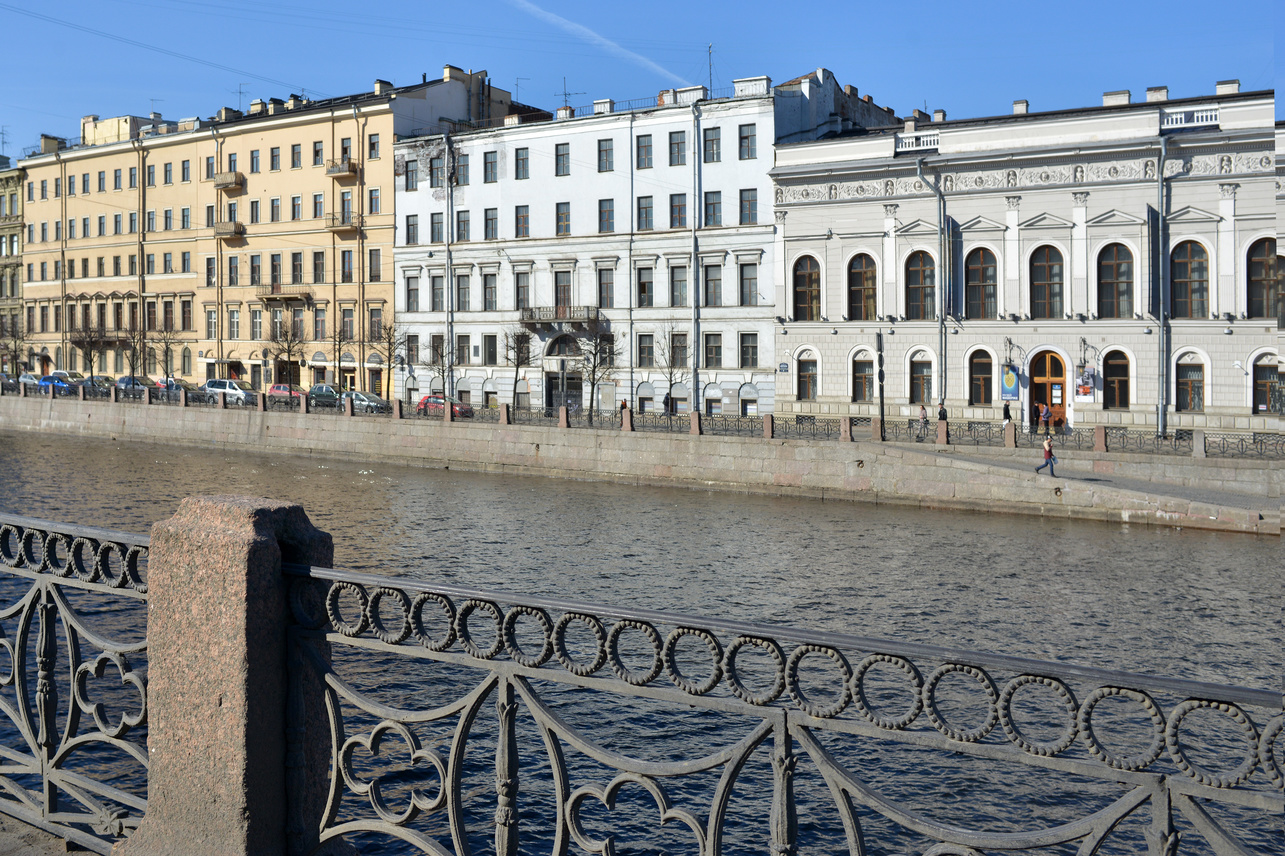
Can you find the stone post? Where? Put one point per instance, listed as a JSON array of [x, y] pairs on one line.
[[261, 400], [115, 393], [80, 392], [876, 429], [1010, 435], [22, 391], [943, 432], [1198, 444], [695, 417], [562, 417], [448, 412], [1099, 438], [217, 685], [182, 398], [506, 416], [626, 419], [845, 429], [397, 408], [768, 426], [303, 404], [49, 391], [348, 406]]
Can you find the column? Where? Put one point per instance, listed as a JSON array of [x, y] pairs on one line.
[[1078, 299], [1010, 295], [889, 300], [1224, 296]]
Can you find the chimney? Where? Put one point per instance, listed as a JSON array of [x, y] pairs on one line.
[[294, 102], [49, 145], [1021, 107], [666, 97], [1115, 99], [275, 105], [227, 114], [604, 105], [1157, 93], [566, 112], [257, 106], [920, 115], [910, 124], [939, 115], [1227, 87], [383, 87], [154, 116]]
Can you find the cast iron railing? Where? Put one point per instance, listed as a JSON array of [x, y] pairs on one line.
[[680, 423], [73, 698], [713, 724], [1256, 445]]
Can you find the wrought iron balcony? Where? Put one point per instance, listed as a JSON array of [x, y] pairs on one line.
[[229, 229], [341, 168], [560, 314], [343, 222], [228, 181], [280, 291]]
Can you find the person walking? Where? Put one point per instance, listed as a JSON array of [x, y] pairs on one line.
[[1046, 416], [1049, 458], [923, 421], [1008, 414]]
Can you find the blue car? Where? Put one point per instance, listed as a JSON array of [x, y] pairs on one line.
[[61, 386]]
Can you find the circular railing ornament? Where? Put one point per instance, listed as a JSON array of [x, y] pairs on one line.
[[376, 622], [1014, 733], [934, 713], [467, 608], [734, 679], [1173, 742], [622, 671], [671, 664], [511, 639], [560, 643], [863, 703], [796, 692], [337, 588], [1132, 762], [417, 620]]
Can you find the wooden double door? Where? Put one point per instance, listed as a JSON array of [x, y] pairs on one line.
[[1049, 386]]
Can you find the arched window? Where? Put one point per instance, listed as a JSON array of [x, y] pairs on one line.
[[1046, 283], [979, 378], [1115, 381], [807, 290], [1190, 383], [1265, 380], [921, 379], [921, 295], [564, 346], [1189, 275], [58, 358], [1115, 282], [186, 365], [980, 281], [1262, 279], [151, 361], [863, 378], [861, 288], [807, 377]]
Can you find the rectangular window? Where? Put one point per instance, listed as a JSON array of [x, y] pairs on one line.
[[233, 269], [102, 225], [490, 350], [133, 177], [435, 228], [296, 156], [646, 350], [461, 350], [185, 171], [133, 222], [376, 322], [345, 149], [412, 294], [256, 324], [489, 297], [274, 158], [748, 149], [374, 271], [749, 282], [562, 288], [490, 167], [345, 265], [521, 163], [254, 160], [713, 350], [462, 293], [274, 207], [319, 325], [412, 174], [749, 207], [151, 175], [438, 294], [678, 350], [606, 215], [491, 223], [209, 269], [713, 285], [678, 211], [296, 208], [461, 225], [296, 268], [319, 266], [644, 214], [921, 382], [564, 218], [606, 288], [713, 208], [274, 268], [606, 156], [522, 221], [1191, 387], [318, 206], [185, 314], [373, 145], [713, 145], [211, 324], [412, 229], [168, 219], [347, 324], [256, 269], [522, 287], [461, 170], [646, 296], [167, 263], [116, 176], [677, 148], [185, 218], [678, 286], [643, 146], [373, 201], [234, 323], [232, 162], [186, 263], [102, 183], [749, 350], [562, 159], [437, 348], [116, 224], [254, 211]]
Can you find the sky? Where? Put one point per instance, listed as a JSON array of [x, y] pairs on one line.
[[187, 58]]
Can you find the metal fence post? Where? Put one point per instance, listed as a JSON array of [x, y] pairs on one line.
[[217, 683]]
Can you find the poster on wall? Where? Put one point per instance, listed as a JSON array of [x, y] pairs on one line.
[[1085, 384], [1057, 394], [1008, 384]]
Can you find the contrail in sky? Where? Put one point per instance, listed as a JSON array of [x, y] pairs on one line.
[[593, 38]]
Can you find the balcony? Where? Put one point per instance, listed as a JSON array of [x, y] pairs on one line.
[[280, 291], [343, 222], [229, 230], [917, 142], [228, 181], [559, 315], [342, 168], [1200, 117]]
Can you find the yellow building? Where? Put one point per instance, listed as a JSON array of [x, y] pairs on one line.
[[254, 245]]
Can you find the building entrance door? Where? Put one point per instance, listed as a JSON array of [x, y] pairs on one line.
[[555, 396], [1049, 386]]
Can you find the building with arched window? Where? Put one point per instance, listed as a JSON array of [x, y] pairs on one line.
[[1054, 277]]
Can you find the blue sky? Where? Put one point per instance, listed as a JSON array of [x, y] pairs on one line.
[[969, 59]]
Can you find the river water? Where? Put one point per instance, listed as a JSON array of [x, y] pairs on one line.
[[1185, 604]]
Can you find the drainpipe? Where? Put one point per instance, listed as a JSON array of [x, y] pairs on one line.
[[142, 235], [62, 255], [695, 278], [448, 230], [629, 264], [1162, 277], [218, 262], [360, 261], [944, 279]]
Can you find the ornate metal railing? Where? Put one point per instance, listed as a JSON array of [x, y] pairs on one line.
[[73, 697], [1257, 445], [535, 415], [741, 426], [1131, 440], [680, 423], [807, 427], [977, 433], [724, 727], [486, 414]]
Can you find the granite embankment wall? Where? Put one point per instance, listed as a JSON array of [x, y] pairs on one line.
[[925, 476]]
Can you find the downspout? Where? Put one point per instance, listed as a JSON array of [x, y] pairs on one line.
[[695, 279], [359, 206], [943, 279], [218, 263], [62, 255], [448, 176], [141, 243], [629, 263], [1162, 277]]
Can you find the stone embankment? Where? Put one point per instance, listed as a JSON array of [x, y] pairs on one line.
[[1229, 495]]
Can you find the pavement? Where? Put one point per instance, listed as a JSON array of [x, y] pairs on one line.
[[19, 839]]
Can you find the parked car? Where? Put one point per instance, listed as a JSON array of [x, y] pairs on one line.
[[367, 402], [28, 379], [234, 391], [435, 405], [134, 382], [291, 389], [66, 375], [100, 381], [323, 395], [61, 385], [174, 384]]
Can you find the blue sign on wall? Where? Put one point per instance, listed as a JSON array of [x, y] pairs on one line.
[[784, 368], [1009, 385]]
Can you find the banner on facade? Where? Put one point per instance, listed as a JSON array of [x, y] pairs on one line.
[[1085, 384], [1008, 385]]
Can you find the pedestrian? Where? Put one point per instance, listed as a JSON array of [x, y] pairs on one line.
[[1049, 458], [923, 420], [1008, 414], [941, 417], [1046, 415], [666, 404]]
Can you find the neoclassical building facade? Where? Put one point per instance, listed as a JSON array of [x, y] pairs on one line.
[[1116, 263]]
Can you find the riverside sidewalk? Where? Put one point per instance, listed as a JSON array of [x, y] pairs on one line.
[[20, 839]]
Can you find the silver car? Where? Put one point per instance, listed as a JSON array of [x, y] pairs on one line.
[[234, 391]]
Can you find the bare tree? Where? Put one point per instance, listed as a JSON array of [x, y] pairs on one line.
[[389, 341], [434, 359], [90, 340], [135, 347], [517, 353], [13, 336], [596, 361], [166, 339], [288, 338], [339, 339], [672, 359]]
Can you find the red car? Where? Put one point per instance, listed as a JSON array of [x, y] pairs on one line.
[[433, 405], [290, 389]]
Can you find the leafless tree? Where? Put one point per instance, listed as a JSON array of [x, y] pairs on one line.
[[288, 338], [517, 353], [672, 359], [434, 360], [13, 336], [596, 361], [339, 339], [135, 339], [166, 339], [389, 341], [90, 340]]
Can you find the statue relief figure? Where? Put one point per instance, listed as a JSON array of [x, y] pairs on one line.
[[1224, 164], [1149, 169], [948, 183], [888, 187], [1079, 175], [1010, 178], [780, 195]]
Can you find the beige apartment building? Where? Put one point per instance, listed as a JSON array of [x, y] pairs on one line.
[[254, 245], [10, 264]]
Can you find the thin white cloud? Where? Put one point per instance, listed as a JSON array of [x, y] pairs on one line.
[[593, 38]]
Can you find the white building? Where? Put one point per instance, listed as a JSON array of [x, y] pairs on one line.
[[1120, 260], [648, 221]]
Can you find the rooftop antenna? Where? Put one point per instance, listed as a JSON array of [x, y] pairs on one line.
[[566, 96], [4, 137], [711, 67], [517, 87], [240, 95], [154, 100]]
